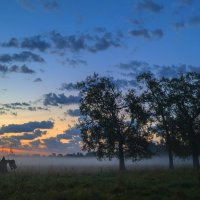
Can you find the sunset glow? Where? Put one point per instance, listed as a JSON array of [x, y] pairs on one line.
[[49, 46]]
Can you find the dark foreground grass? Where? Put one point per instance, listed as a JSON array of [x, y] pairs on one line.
[[147, 184]]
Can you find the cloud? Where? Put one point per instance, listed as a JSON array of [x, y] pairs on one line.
[[53, 99], [149, 5], [179, 25], [15, 140], [191, 22], [6, 108], [136, 21], [75, 43], [48, 5], [145, 33], [16, 69], [104, 42], [16, 105], [24, 69], [56, 144], [26, 127], [73, 113], [70, 133], [74, 62], [59, 43], [69, 86], [133, 65], [30, 136], [36, 143], [13, 42], [194, 21], [25, 56], [37, 80], [35, 42], [137, 67]]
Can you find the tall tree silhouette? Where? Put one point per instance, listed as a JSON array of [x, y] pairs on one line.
[[112, 124], [185, 92], [156, 95]]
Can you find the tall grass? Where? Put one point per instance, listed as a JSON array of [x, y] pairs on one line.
[[182, 183]]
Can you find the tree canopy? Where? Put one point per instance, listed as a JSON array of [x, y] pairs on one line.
[[112, 123]]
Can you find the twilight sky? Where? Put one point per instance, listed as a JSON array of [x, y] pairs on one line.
[[46, 46]]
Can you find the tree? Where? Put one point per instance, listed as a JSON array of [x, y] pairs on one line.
[[112, 124], [157, 98], [185, 91]]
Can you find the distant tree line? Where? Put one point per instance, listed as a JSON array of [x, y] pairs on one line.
[[118, 123], [73, 155]]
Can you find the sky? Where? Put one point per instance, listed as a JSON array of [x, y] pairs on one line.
[[46, 46]]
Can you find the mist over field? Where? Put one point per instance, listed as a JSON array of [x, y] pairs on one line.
[[91, 164]]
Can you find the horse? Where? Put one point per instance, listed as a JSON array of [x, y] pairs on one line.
[[12, 164], [4, 163]]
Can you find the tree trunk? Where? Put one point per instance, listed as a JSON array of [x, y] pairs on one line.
[[195, 154], [170, 154], [171, 161], [168, 143], [121, 158]]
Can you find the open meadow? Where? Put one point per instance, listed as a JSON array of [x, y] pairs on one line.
[[89, 180]]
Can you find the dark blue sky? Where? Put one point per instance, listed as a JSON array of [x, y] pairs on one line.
[[47, 45]]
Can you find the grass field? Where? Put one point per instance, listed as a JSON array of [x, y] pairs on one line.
[[182, 183]]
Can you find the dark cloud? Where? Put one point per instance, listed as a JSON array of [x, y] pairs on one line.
[[16, 105], [53, 99], [3, 111], [6, 108], [89, 42], [26, 127], [70, 133], [137, 67], [94, 41], [133, 65], [50, 5], [194, 21], [4, 69], [13, 42], [149, 5], [35, 42], [74, 62], [24, 69], [75, 43], [69, 86], [136, 21], [37, 80], [100, 29], [55, 143], [15, 140], [179, 25], [30, 136], [25, 56], [145, 33], [36, 143], [16, 69], [73, 113], [191, 22], [104, 42]]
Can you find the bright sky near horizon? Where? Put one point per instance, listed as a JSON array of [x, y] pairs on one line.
[[46, 46]]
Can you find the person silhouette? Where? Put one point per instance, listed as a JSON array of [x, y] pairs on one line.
[[3, 166]]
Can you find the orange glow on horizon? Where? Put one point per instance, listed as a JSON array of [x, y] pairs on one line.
[[7, 151]]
